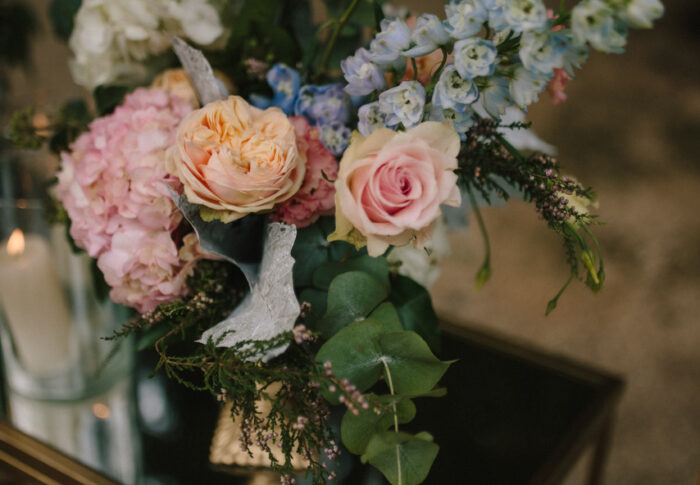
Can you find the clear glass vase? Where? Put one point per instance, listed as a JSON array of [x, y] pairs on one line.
[[64, 384]]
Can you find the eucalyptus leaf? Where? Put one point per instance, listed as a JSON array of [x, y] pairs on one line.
[[401, 457], [386, 313], [377, 267], [414, 369], [351, 297], [313, 248], [354, 355], [317, 299], [357, 430]]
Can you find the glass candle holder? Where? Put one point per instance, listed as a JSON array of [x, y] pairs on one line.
[[64, 383]]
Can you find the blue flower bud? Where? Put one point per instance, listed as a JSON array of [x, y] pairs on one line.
[[453, 91], [428, 36], [284, 82], [526, 86], [465, 19], [593, 21], [524, 15], [362, 75], [335, 136], [394, 38], [403, 104], [370, 118], [474, 57], [543, 51], [323, 104], [639, 14], [461, 120]]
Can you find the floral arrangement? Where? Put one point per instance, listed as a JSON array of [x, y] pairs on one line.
[[276, 243]]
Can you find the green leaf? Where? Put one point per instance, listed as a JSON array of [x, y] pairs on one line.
[[313, 249], [402, 454], [359, 351], [414, 369], [354, 354], [357, 430], [377, 267], [415, 308], [62, 13], [109, 97], [386, 313], [351, 297]]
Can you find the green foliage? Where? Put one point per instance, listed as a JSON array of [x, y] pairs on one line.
[[62, 15], [109, 97], [415, 308], [403, 458], [351, 296], [358, 429], [64, 127], [312, 249], [364, 353], [17, 26], [490, 165]]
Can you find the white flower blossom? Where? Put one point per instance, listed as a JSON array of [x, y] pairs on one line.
[[403, 104], [526, 86], [474, 57], [453, 91], [112, 38], [422, 265], [524, 15], [593, 21], [465, 19], [640, 14], [428, 36], [370, 118], [394, 38]]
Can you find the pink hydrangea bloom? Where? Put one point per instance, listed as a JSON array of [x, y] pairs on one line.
[[113, 186], [316, 195]]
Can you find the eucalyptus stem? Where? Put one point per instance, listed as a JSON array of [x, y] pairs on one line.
[[336, 33], [396, 419], [484, 272]]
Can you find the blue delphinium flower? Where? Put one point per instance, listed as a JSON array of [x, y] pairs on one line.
[[474, 57], [335, 136], [403, 104], [387, 46], [496, 17], [370, 118], [593, 21], [363, 76], [640, 14], [526, 86], [495, 96], [453, 91], [543, 51], [461, 120], [428, 35], [575, 55], [284, 82], [524, 15], [323, 104], [465, 18]]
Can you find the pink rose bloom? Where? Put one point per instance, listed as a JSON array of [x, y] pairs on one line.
[[236, 159], [556, 86], [113, 185], [390, 186], [316, 195]]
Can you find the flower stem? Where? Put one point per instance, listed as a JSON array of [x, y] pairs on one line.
[[484, 273], [336, 33], [396, 419]]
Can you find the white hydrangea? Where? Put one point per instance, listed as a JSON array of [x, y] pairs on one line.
[[112, 38], [422, 265]]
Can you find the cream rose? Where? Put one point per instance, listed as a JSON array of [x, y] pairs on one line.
[[390, 186], [237, 159]]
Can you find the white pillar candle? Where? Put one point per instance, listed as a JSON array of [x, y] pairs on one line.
[[33, 304]]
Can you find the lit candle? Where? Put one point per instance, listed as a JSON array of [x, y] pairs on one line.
[[33, 304]]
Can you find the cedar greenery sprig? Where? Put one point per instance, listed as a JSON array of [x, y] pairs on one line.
[[490, 165]]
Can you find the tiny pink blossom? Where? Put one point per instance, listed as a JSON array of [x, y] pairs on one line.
[[556, 86], [113, 186], [316, 195]]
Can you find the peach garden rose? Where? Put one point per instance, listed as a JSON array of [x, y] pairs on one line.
[[236, 159], [390, 186]]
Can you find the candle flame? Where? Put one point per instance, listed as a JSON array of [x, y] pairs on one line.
[[15, 245]]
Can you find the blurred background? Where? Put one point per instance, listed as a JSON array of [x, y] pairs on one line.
[[631, 129]]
